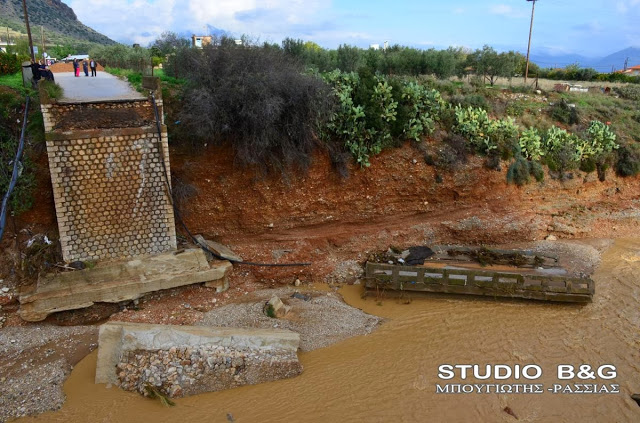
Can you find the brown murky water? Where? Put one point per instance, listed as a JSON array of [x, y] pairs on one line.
[[390, 375]]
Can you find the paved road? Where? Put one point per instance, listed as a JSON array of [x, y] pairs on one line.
[[99, 88]]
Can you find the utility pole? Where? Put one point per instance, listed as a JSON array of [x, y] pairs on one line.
[[26, 21], [533, 8]]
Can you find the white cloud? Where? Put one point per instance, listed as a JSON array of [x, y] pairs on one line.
[[459, 10], [143, 20]]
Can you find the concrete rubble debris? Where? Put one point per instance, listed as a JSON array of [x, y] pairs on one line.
[[121, 281], [276, 308], [188, 360]]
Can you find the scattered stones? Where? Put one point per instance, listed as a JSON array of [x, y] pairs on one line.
[[35, 362], [297, 282], [276, 308], [4, 289], [551, 238], [321, 321], [184, 370], [186, 360]]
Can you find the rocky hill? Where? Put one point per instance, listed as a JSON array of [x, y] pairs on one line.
[[61, 25]]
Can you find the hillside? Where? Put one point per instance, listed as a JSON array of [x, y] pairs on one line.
[[61, 25], [632, 54]]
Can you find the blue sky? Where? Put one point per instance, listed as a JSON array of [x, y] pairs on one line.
[[591, 28]]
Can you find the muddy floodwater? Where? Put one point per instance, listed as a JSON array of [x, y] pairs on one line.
[[391, 375]]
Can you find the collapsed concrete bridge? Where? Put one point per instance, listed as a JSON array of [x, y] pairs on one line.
[[110, 172], [109, 169]]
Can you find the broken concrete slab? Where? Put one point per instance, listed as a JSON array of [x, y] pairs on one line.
[[220, 249], [120, 281], [187, 360]]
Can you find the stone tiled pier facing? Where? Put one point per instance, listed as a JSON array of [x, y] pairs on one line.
[[109, 184]]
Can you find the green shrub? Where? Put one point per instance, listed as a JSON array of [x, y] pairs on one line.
[[362, 135], [588, 165], [422, 108], [521, 89], [471, 100], [375, 95], [536, 170], [518, 172], [600, 140], [531, 145], [562, 150], [9, 64], [22, 196], [53, 90], [448, 119], [473, 124], [564, 113], [629, 92], [515, 108], [628, 163], [503, 134], [521, 169]]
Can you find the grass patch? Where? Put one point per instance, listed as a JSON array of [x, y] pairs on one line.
[[134, 78], [160, 73], [53, 90], [13, 81]]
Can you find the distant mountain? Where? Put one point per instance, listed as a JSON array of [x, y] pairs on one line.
[[604, 65], [59, 21], [550, 60], [617, 60]]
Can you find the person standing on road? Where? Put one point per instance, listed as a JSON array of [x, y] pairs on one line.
[[94, 66], [85, 67], [76, 67]]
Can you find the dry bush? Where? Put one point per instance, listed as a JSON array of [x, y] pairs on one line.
[[256, 98]]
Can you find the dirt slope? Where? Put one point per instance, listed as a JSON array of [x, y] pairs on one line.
[[336, 222]]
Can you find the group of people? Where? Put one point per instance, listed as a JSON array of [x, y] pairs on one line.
[[40, 70], [86, 64]]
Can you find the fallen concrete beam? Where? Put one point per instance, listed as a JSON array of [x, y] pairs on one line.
[[220, 249], [187, 360], [121, 281]]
